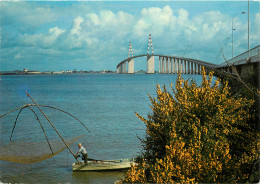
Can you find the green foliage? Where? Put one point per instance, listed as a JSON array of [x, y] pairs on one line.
[[197, 134]]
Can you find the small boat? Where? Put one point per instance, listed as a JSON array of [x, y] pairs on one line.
[[102, 165]]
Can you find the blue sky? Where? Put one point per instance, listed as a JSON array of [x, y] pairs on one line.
[[95, 35]]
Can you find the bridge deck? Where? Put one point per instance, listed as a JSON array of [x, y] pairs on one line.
[[176, 57]]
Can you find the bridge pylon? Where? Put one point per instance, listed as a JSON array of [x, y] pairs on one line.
[[150, 43], [150, 58], [130, 61], [130, 50]]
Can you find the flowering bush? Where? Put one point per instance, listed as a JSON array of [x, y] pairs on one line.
[[196, 134]]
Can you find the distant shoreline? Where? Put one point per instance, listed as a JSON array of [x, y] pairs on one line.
[[18, 72], [54, 73]]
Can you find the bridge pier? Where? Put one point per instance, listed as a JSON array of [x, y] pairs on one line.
[[199, 69], [173, 65], [131, 66], [150, 64], [192, 68], [170, 60], [185, 67], [167, 65], [159, 64], [163, 65], [121, 69], [192, 71], [178, 65], [182, 66], [125, 67], [188, 67]]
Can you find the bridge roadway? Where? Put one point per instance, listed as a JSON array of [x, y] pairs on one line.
[[167, 64], [244, 64]]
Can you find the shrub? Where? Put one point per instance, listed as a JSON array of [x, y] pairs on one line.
[[196, 134]]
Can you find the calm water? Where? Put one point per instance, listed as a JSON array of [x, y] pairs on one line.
[[106, 103]]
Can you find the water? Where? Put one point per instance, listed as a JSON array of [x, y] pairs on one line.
[[106, 103]]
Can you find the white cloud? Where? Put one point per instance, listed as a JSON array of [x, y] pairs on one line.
[[93, 19], [154, 20], [77, 26], [42, 40], [56, 31], [183, 17], [255, 30], [154, 14]]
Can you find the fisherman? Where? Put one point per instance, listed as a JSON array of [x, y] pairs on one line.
[[84, 153]]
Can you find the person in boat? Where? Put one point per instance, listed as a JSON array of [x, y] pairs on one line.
[[83, 152]]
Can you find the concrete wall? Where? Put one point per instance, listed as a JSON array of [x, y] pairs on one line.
[[150, 64], [131, 66]]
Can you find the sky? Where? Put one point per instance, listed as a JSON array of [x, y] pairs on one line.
[[95, 35]]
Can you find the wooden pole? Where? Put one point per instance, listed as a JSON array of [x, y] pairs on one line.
[[27, 105], [51, 125], [42, 128], [37, 118]]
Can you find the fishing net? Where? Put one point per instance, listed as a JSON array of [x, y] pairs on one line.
[[31, 152]]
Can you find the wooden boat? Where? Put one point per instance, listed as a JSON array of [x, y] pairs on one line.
[[102, 165]]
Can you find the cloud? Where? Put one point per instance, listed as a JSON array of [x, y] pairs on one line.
[[182, 17], [163, 22], [56, 31], [76, 26], [26, 16], [154, 19], [207, 26], [107, 23], [41, 40], [93, 19], [255, 30], [174, 32], [83, 33]]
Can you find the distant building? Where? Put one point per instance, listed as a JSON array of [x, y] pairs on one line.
[[61, 72], [33, 72], [68, 71]]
